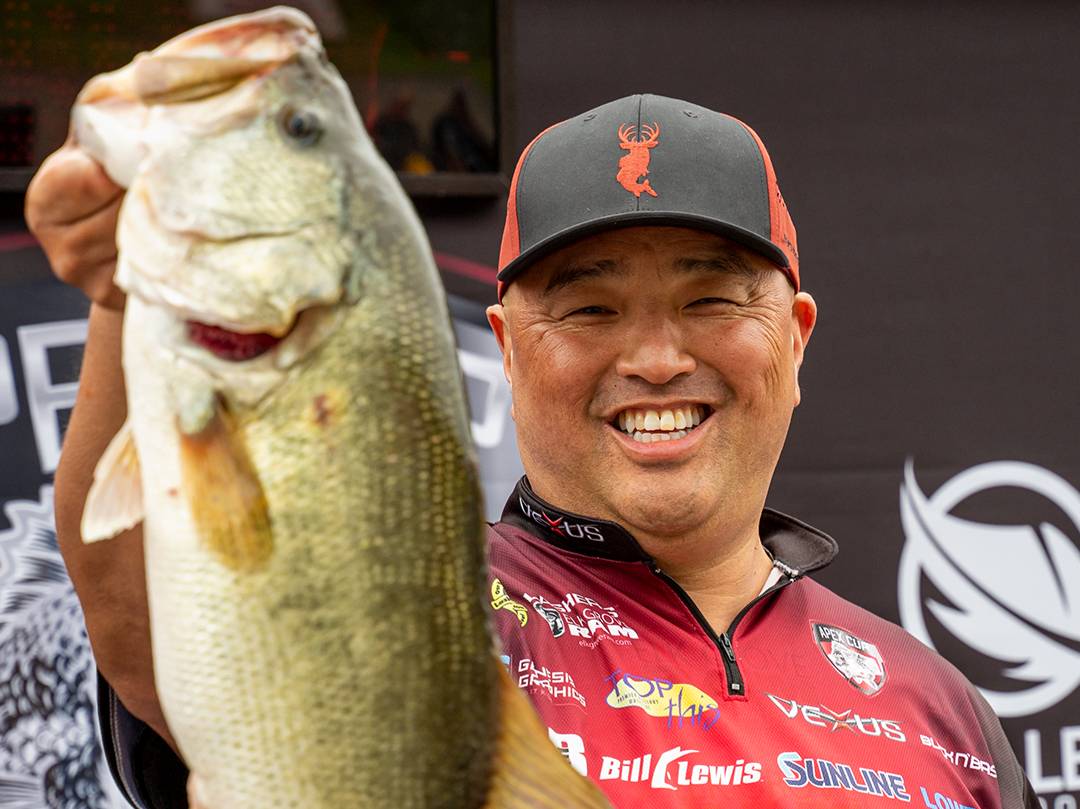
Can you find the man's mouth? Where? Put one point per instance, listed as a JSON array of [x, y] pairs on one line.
[[230, 345], [668, 424]]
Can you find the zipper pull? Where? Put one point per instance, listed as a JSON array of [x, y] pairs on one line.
[[734, 676], [725, 644]]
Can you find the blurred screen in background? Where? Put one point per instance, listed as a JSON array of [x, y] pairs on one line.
[[422, 73]]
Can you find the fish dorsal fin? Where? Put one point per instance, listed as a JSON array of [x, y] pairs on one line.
[[115, 501], [224, 494], [527, 771]]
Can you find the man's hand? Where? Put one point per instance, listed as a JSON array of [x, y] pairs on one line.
[[72, 207], [194, 793]]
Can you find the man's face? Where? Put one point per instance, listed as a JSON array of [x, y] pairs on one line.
[[618, 345]]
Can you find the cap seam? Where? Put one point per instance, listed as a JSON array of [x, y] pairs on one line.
[[521, 175], [637, 136], [763, 175]]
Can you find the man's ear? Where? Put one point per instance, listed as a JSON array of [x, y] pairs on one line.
[[803, 320], [497, 318]]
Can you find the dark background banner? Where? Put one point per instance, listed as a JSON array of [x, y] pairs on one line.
[[928, 156]]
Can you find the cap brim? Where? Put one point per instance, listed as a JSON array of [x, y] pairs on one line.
[[751, 241]]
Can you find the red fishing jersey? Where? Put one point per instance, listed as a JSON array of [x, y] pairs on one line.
[[805, 700]]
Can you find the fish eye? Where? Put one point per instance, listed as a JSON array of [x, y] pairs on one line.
[[300, 126]]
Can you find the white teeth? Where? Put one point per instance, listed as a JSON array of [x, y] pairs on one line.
[[647, 426]]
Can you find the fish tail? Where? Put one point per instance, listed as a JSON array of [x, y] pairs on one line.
[[527, 771]]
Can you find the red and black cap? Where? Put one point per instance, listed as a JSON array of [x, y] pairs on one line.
[[645, 160]]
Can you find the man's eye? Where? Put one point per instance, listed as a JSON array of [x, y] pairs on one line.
[[590, 310], [709, 301]]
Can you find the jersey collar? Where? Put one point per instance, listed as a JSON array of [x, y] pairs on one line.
[[796, 547]]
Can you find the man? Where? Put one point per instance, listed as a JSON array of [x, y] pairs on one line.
[[652, 328]]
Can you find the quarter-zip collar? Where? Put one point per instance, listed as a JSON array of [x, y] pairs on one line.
[[796, 547]]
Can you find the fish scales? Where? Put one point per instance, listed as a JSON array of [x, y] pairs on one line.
[[311, 510], [352, 538]]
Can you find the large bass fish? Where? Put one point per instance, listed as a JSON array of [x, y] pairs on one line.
[[297, 445]]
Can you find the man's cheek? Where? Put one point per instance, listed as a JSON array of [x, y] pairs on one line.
[[768, 352]]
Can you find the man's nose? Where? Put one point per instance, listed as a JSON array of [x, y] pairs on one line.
[[656, 354]]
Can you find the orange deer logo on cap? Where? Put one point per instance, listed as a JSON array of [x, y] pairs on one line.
[[635, 165]]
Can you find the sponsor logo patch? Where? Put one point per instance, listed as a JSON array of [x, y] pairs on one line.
[[799, 772], [856, 660], [573, 747], [679, 703], [558, 686], [939, 801], [674, 769], [501, 601], [962, 760], [561, 526], [581, 617], [634, 166], [822, 717], [549, 613]]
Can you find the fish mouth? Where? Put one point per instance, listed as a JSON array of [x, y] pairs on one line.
[[232, 346]]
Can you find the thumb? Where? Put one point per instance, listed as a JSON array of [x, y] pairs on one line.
[[196, 793], [68, 187]]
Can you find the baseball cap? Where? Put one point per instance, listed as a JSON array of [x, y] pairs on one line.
[[645, 160]]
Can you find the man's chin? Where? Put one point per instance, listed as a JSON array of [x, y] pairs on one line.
[[659, 510]]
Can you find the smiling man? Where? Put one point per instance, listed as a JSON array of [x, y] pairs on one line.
[[654, 372], [652, 328], [658, 615]]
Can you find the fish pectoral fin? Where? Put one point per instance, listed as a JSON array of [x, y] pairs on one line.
[[527, 771], [115, 501], [225, 495]]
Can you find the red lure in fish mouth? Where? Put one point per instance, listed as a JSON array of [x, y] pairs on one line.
[[230, 345]]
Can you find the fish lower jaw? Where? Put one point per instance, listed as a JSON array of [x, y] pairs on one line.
[[230, 345], [287, 343]]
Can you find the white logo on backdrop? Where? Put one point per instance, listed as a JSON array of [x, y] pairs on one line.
[[1014, 590], [49, 752], [46, 397], [495, 408]]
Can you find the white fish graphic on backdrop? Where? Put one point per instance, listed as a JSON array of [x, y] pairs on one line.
[[1015, 589], [298, 445]]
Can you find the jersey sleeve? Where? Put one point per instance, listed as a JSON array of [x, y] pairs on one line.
[[1015, 789], [147, 771]]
